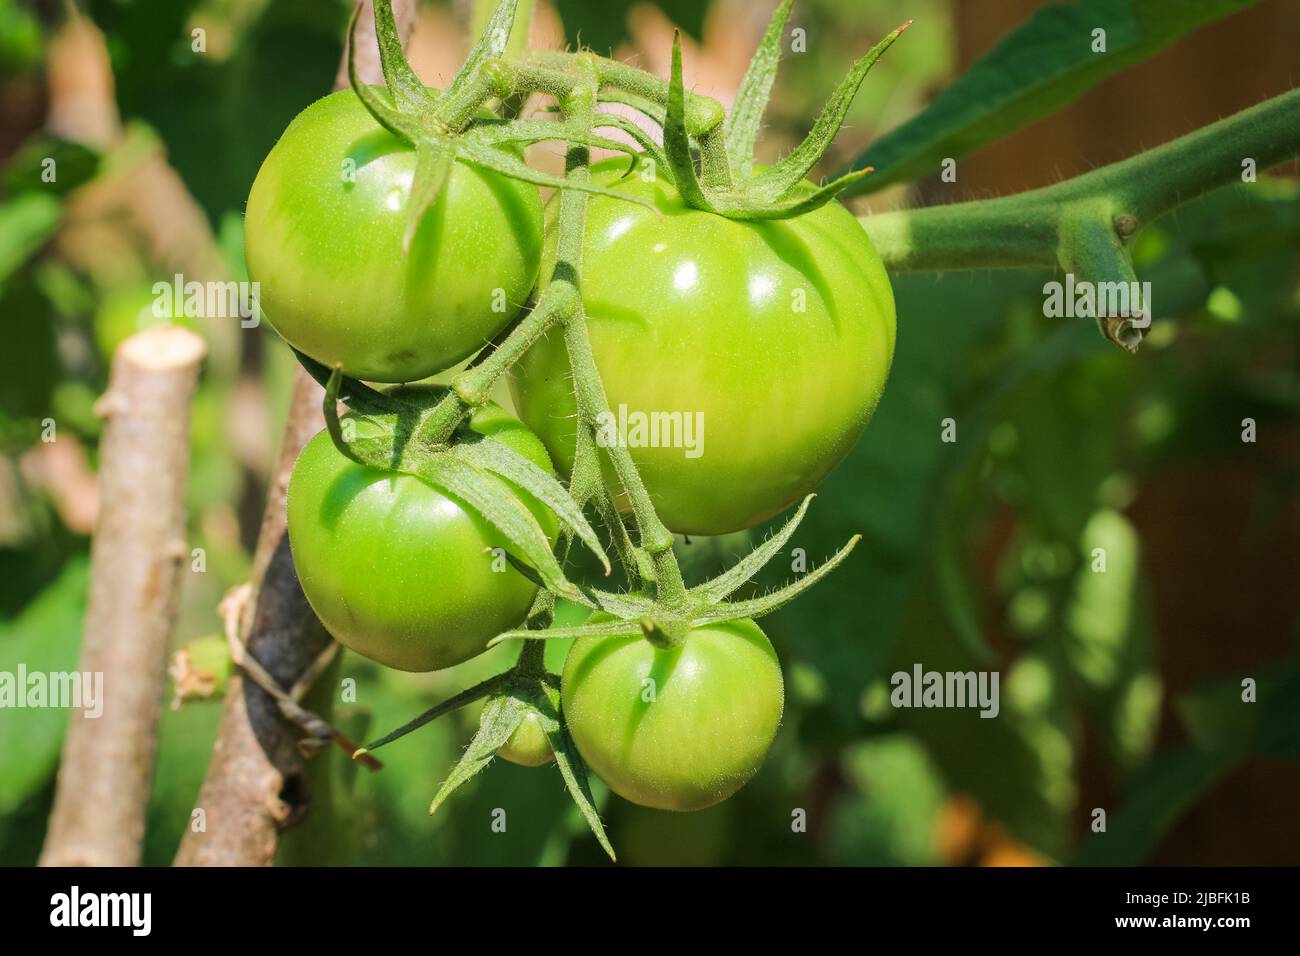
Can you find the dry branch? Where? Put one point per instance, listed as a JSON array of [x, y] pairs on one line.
[[136, 559], [255, 785]]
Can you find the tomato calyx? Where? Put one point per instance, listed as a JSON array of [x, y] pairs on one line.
[[480, 472], [728, 184], [448, 126], [666, 623]]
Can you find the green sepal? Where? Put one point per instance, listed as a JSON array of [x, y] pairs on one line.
[[783, 178], [677, 141], [433, 159], [505, 132], [386, 114], [751, 101], [491, 455], [501, 716], [408, 93], [378, 447], [500, 161], [642, 138], [357, 395], [474, 693], [501, 23], [606, 629], [743, 570], [569, 762], [757, 607], [648, 108], [497, 503]]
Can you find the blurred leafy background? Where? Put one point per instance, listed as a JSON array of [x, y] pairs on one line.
[[1120, 690]]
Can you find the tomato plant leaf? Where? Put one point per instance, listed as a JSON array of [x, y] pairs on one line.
[[43, 638], [1039, 67], [495, 457], [781, 179], [26, 224], [751, 100], [501, 715]]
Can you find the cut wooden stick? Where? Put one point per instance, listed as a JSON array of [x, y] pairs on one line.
[[137, 555]]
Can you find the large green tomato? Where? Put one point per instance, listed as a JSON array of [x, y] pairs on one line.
[[762, 347], [323, 238], [396, 568], [680, 728]]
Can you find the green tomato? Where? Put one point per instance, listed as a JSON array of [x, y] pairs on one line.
[[528, 745], [680, 728], [398, 569], [771, 340], [323, 238]]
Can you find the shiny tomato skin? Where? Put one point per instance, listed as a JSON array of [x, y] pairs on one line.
[[680, 728], [528, 745], [398, 570], [323, 239], [778, 334]]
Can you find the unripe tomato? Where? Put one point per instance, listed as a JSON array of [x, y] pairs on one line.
[[528, 745], [680, 728], [397, 569], [323, 238], [771, 339]]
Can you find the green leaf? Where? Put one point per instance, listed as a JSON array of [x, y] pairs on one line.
[[26, 224], [44, 638], [1036, 69], [734, 577], [785, 176], [570, 764], [751, 100], [73, 165], [501, 715]]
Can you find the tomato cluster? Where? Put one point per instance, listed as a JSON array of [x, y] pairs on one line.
[[748, 354]]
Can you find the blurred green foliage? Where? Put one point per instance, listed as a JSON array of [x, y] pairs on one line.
[[977, 554]]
